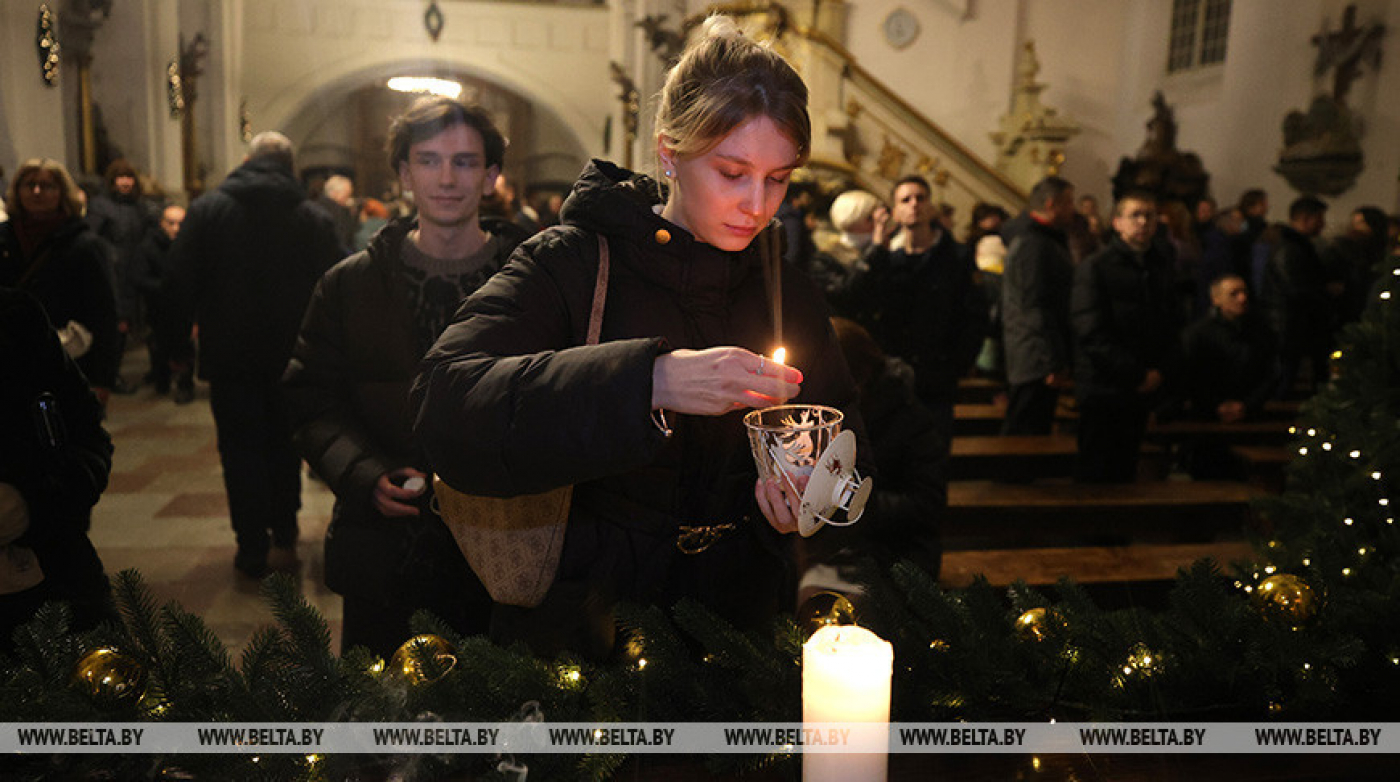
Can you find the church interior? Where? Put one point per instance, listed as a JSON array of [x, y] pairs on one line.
[[982, 98]]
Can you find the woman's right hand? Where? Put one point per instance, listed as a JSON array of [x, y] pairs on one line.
[[720, 380]]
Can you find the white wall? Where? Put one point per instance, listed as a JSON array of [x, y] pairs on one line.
[[1102, 61], [31, 114]]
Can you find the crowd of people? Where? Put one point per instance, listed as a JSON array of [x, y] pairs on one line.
[[613, 344]]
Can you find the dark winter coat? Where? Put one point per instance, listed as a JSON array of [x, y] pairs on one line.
[[58, 459], [509, 402], [1225, 360], [247, 258], [123, 222], [347, 391], [1035, 294], [1126, 319], [926, 310], [903, 520], [73, 282], [1294, 296]]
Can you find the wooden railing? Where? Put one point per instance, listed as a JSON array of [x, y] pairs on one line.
[[863, 131]]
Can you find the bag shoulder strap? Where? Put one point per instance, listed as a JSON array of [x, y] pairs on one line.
[[600, 293]]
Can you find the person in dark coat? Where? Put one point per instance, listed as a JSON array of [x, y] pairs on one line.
[[1037, 339], [370, 321], [918, 299], [1356, 259], [1295, 296], [47, 250], [903, 520], [1227, 371], [53, 468], [172, 349], [647, 425], [123, 218], [247, 258], [1126, 328]]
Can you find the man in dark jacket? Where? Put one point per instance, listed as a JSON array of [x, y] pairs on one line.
[[372, 318], [918, 300], [1227, 370], [1035, 297], [123, 218], [246, 260], [1296, 298], [172, 350], [1126, 330]]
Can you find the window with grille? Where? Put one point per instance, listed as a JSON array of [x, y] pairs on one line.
[[1200, 29]]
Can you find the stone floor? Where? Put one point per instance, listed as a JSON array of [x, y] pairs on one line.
[[165, 514]]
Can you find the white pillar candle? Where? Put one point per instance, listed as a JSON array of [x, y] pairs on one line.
[[846, 674]]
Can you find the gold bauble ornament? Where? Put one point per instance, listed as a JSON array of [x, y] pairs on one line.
[[1288, 596], [110, 678], [1035, 624], [406, 665], [824, 609]]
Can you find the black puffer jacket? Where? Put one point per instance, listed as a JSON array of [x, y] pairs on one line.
[[247, 258], [347, 390], [509, 402]]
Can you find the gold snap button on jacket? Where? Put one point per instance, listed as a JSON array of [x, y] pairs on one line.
[[662, 236]]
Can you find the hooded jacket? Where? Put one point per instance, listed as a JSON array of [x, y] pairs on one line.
[[245, 262], [509, 401]]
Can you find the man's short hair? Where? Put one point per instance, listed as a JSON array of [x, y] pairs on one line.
[[1252, 198], [1306, 205], [431, 115], [271, 144], [1047, 190], [1146, 196], [912, 179]]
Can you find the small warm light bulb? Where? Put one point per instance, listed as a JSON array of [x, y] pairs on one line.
[[780, 356], [1385, 295], [1355, 454]]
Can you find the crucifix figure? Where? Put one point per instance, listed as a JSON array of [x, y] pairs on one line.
[[1346, 50]]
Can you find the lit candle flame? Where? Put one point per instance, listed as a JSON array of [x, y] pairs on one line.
[[780, 356]]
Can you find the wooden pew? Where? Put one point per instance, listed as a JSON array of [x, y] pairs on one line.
[[992, 457], [1085, 564], [1056, 514], [1264, 464], [979, 390]]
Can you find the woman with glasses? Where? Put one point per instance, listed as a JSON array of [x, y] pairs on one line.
[[48, 250]]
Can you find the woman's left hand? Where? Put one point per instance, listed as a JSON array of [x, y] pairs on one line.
[[778, 503]]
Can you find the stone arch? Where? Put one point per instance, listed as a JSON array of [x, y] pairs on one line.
[[568, 129]]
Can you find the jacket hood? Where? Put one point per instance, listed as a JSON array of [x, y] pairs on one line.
[[264, 182], [609, 199], [613, 201]]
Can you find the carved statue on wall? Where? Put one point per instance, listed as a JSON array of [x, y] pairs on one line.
[[1322, 150], [1032, 136], [1159, 167]]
